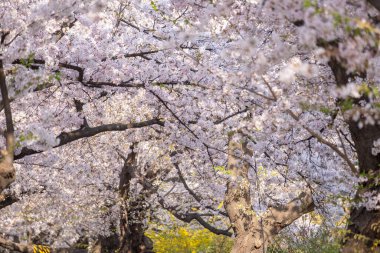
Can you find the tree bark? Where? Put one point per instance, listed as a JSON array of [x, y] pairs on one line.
[[7, 171], [106, 244], [253, 234], [363, 231], [24, 248], [375, 3], [364, 224], [134, 209]]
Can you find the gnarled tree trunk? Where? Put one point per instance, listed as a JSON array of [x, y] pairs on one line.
[[253, 234], [134, 209], [364, 224]]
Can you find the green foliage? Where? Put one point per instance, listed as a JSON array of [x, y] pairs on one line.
[[368, 90], [187, 240], [154, 6], [57, 76], [222, 170], [310, 3], [340, 20], [27, 62], [231, 133], [25, 137], [325, 110], [346, 104], [376, 105]]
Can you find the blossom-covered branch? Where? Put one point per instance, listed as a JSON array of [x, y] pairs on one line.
[[67, 137]]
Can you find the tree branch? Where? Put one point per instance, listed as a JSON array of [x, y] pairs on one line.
[[8, 200], [141, 54], [280, 217], [192, 193], [182, 179], [188, 217], [8, 244], [195, 216], [327, 143], [36, 62], [67, 137], [375, 3], [217, 122]]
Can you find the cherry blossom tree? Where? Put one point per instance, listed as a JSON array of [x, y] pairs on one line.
[[247, 115]]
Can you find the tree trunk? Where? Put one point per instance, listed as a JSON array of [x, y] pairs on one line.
[[364, 224], [106, 245], [134, 209], [243, 244], [18, 247], [253, 234], [7, 171]]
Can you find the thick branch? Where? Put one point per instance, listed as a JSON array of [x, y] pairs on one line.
[[195, 216], [126, 84], [91, 131], [8, 244], [278, 218], [8, 200], [375, 3], [35, 64], [67, 137], [133, 84], [188, 217]]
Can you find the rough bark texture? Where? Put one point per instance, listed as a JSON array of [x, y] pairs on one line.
[[364, 225], [7, 171], [253, 234], [134, 211], [375, 3], [18, 247], [124, 185], [106, 245]]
